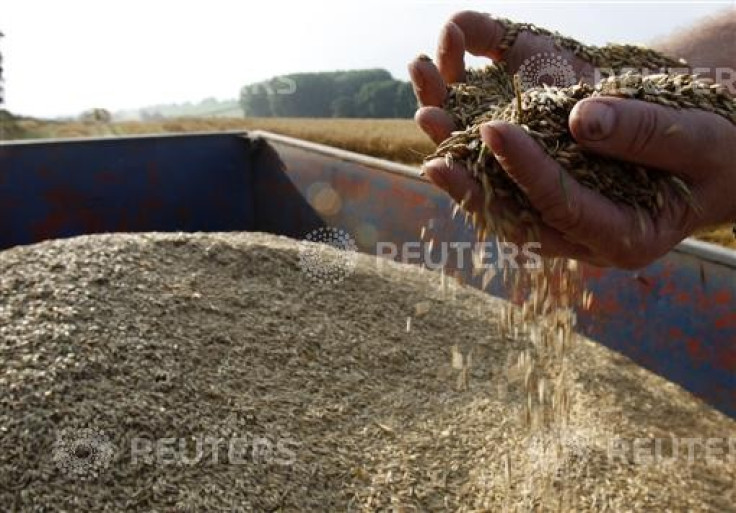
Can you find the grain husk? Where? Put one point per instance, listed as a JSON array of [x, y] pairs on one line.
[[174, 335], [543, 112]]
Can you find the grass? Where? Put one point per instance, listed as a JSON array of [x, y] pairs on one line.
[[394, 139]]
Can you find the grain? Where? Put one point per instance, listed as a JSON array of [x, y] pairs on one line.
[[611, 56], [543, 112], [221, 335], [551, 294]]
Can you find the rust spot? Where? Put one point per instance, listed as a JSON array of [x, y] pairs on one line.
[[590, 271], [725, 358], [609, 304], [676, 333], [682, 298], [49, 227], [695, 350], [728, 320], [668, 288], [107, 177], [723, 297]]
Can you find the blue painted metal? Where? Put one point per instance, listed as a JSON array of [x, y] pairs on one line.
[[55, 189], [677, 317]]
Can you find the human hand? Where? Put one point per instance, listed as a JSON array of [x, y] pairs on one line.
[[577, 222]]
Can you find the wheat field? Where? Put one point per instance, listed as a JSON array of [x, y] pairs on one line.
[[394, 139], [398, 140]]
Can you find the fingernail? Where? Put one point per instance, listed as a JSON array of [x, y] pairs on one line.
[[445, 40], [438, 178], [596, 120], [430, 129], [417, 77], [443, 43], [492, 136]]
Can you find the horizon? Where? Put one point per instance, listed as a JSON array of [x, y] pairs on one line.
[[136, 55]]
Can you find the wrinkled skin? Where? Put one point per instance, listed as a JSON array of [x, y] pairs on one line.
[[578, 222]]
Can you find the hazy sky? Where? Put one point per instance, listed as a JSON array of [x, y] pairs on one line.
[[62, 57]]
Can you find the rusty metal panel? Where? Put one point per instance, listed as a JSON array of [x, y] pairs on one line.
[[51, 189], [676, 317]]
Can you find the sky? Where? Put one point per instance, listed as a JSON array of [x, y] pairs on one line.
[[62, 57]]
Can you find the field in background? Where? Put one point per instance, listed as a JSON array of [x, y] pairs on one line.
[[722, 235], [393, 139]]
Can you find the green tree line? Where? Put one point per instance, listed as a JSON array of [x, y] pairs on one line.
[[368, 93]]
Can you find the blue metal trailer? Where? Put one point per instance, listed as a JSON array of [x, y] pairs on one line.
[[676, 317]]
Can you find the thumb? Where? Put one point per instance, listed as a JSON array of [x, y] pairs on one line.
[[684, 142]]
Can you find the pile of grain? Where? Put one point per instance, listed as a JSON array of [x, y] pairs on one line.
[[177, 336]]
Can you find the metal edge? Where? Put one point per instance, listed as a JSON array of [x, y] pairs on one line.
[[350, 156], [704, 250], [114, 137], [707, 251]]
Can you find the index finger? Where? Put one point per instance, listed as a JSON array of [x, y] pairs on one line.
[[470, 31], [429, 87], [480, 34]]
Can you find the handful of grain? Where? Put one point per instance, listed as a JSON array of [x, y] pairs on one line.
[[493, 94]]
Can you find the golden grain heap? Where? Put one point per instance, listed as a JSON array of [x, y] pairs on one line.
[[543, 112], [209, 373]]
